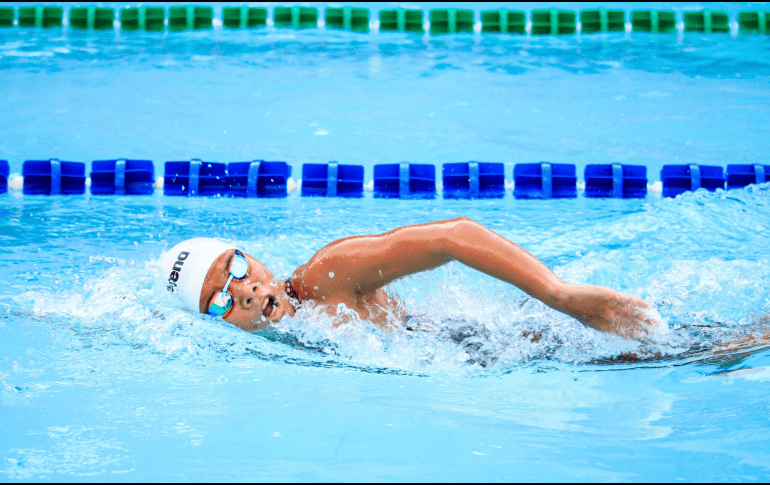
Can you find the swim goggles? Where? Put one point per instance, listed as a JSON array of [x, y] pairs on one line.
[[224, 300]]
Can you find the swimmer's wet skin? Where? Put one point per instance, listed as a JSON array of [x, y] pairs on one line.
[[355, 270]]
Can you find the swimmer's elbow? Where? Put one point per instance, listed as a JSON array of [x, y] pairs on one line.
[[456, 232], [464, 221]]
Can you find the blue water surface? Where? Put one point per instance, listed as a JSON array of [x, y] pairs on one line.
[[103, 377]]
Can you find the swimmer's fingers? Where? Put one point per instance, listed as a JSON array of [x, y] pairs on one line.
[[741, 342], [630, 318], [610, 311]]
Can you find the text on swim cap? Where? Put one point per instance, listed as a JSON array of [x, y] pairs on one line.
[[174, 276]]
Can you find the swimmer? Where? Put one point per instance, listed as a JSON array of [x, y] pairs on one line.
[[215, 278]]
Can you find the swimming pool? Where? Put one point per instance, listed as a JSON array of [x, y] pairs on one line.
[[97, 386]]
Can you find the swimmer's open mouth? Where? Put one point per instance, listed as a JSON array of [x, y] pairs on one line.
[[269, 307]]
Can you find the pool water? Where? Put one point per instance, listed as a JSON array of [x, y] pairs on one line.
[[102, 377]]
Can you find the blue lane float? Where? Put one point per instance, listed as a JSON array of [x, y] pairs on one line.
[[122, 177], [405, 181], [195, 179], [739, 176], [616, 181], [258, 178], [54, 177], [473, 180], [544, 180], [332, 180], [5, 171], [678, 179]]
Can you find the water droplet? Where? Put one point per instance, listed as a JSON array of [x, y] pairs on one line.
[[331, 274]]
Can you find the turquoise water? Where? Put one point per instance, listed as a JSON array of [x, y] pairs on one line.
[[104, 378]]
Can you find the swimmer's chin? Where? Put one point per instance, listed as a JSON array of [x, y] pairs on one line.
[[253, 326]]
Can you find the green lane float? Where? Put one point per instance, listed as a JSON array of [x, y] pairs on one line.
[[92, 18], [754, 22], [706, 21], [143, 18], [602, 20], [552, 21], [503, 21], [451, 21], [653, 21], [190, 17], [244, 17], [7, 16], [295, 17], [544, 21], [41, 16], [353, 19], [402, 20]]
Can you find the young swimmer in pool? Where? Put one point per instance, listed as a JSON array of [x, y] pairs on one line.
[[218, 279]]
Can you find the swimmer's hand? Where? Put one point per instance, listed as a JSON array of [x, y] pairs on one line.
[[607, 310]]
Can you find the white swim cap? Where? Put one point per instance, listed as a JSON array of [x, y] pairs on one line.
[[186, 265]]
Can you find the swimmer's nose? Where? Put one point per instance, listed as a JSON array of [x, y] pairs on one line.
[[252, 296]]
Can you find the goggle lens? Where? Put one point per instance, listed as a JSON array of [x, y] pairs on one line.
[[239, 267], [221, 303]]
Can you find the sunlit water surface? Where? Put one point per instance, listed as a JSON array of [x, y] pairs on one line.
[[103, 377]]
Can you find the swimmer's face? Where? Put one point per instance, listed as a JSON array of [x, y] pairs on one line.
[[258, 299]]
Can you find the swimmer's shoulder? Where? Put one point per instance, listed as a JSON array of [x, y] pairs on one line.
[[315, 281], [298, 286]]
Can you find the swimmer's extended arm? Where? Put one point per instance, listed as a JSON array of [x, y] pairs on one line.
[[362, 264]]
